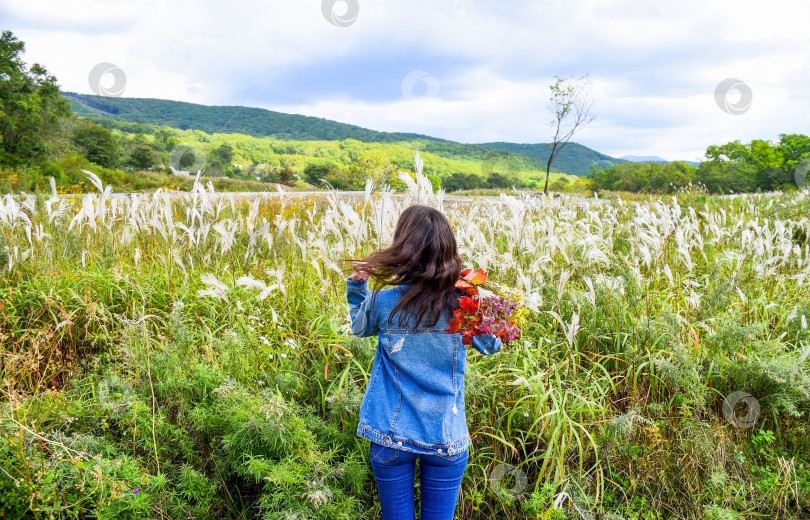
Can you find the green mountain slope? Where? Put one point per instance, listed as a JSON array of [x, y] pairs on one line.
[[258, 122], [574, 158]]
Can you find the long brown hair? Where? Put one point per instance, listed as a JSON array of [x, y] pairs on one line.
[[425, 255]]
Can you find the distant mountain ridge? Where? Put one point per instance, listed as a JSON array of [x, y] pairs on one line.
[[257, 122], [575, 159], [652, 159], [643, 158]]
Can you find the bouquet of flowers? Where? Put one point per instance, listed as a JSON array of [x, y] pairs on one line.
[[484, 311]]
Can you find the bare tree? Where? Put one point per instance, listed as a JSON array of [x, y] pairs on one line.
[[571, 103]]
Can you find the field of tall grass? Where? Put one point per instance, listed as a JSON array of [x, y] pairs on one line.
[[189, 357]]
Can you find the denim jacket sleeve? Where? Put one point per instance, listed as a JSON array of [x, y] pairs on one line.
[[357, 294], [486, 344]]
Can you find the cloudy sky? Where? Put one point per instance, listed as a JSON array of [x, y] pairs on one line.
[[466, 70]]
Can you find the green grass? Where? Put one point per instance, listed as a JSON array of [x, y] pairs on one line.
[[120, 375]]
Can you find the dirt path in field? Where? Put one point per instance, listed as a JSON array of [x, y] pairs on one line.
[[356, 196]]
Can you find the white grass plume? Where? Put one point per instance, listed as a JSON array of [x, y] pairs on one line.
[[216, 288]]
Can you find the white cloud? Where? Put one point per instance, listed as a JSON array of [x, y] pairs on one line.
[[654, 65]]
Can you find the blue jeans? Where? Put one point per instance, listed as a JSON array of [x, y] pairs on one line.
[[439, 480]]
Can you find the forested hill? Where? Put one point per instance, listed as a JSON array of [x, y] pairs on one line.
[[575, 159], [257, 122]]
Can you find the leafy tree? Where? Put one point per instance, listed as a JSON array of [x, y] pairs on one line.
[[742, 167], [286, 175], [731, 167], [733, 151], [561, 184], [571, 103], [727, 176], [502, 180], [31, 106], [220, 162], [643, 177], [99, 145], [458, 181], [771, 178], [374, 165], [765, 155], [677, 174], [225, 152], [346, 179], [165, 137], [171, 143], [142, 157], [795, 149], [315, 171]]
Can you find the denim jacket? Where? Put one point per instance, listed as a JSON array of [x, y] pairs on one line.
[[414, 400]]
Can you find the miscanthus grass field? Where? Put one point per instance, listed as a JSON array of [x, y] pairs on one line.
[[188, 356]]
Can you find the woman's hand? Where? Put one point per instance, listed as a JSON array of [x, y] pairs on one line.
[[358, 274]]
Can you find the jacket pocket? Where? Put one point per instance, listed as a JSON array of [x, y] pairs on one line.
[[382, 453]]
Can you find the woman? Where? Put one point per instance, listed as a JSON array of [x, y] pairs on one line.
[[413, 406]]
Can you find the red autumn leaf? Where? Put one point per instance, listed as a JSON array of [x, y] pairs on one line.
[[469, 305], [469, 289], [469, 280], [477, 316], [461, 284], [476, 278], [454, 325]]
